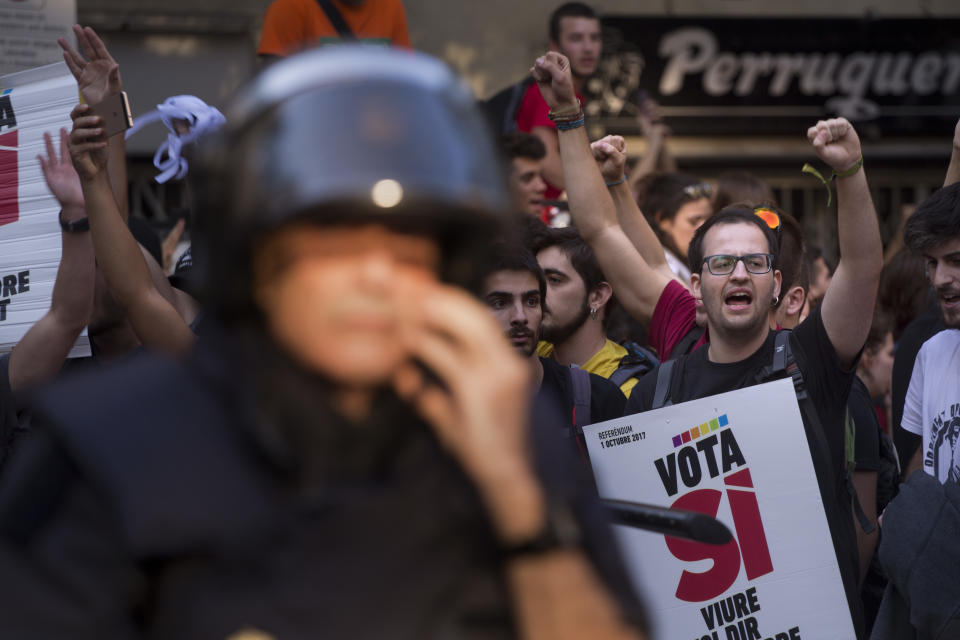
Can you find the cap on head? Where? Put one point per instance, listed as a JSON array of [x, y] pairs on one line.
[[349, 135]]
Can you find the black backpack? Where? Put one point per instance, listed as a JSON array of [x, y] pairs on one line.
[[638, 362], [501, 109]]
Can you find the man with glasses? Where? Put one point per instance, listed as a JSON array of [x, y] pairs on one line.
[[739, 281], [735, 255]]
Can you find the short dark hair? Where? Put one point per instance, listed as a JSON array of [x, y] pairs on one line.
[[742, 187], [581, 256], [523, 145], [513, 256], [936, 220], [791, 259], [730, 215], [569, 10]]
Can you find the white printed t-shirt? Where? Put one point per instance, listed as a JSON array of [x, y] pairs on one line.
[[932, 406]]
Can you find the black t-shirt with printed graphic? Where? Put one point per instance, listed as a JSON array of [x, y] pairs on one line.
[[828, 385]]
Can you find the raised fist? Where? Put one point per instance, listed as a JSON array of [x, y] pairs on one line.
[[836, 143], [552, 73], [610, 153]]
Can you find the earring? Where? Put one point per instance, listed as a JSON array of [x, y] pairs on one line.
[[776, 300], [593, 312]]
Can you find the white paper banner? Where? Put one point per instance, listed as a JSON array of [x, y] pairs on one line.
[[31, 102], [743, 458]]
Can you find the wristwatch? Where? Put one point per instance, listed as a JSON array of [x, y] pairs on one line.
[[560, 530], [74, 226]]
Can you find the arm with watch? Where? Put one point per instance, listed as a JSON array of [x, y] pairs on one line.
[[40, 353]]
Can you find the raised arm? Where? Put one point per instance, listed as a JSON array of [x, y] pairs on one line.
[[848, 304], [610, 154], [636, 285], [154, 319], [98, 76], [41, 352]]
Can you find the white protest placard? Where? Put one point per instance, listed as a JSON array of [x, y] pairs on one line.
[[742, 457], [29, 30], [31, 102]]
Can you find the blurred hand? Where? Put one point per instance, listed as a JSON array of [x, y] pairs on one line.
[[610, 153], [87, 143], [480, 408], [98, 76], [552, 73], [836, 143], [61, 177], [648, 115]]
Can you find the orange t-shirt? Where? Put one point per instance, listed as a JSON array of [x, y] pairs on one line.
[[292, 25]]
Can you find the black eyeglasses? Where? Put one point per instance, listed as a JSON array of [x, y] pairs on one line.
[[723, 265]]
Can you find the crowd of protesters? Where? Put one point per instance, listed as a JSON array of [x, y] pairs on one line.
[[317, 426]]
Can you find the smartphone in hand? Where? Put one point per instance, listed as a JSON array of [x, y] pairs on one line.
[[115, 111]]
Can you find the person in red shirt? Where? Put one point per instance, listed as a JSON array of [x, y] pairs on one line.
[[574, 32], [292, 25]]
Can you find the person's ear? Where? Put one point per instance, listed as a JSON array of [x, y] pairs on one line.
[[793, 300], [695, 285], [600, 295], [777, 282]]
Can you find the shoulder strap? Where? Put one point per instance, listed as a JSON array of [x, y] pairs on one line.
[[580, 382], [661, 395], [623, 374], [783, 361], [634, 364], [509, 124], [686, 343], [336, 19]]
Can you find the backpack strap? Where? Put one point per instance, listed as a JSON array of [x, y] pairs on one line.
[[623, 374], [662, 395], [336, 19], [637, 362], [686, 343], [784, 361], [509, 124], [850, 466], [580, 383]]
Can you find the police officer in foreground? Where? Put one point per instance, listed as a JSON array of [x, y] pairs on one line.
[[342, 458]]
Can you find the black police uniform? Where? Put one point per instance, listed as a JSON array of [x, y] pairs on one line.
[[199, 500]]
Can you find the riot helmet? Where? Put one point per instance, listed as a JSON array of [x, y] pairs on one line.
[[347, 134]]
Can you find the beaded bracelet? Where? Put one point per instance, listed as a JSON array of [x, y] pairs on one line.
[[566, 114], [570, 124], [620, 181]]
